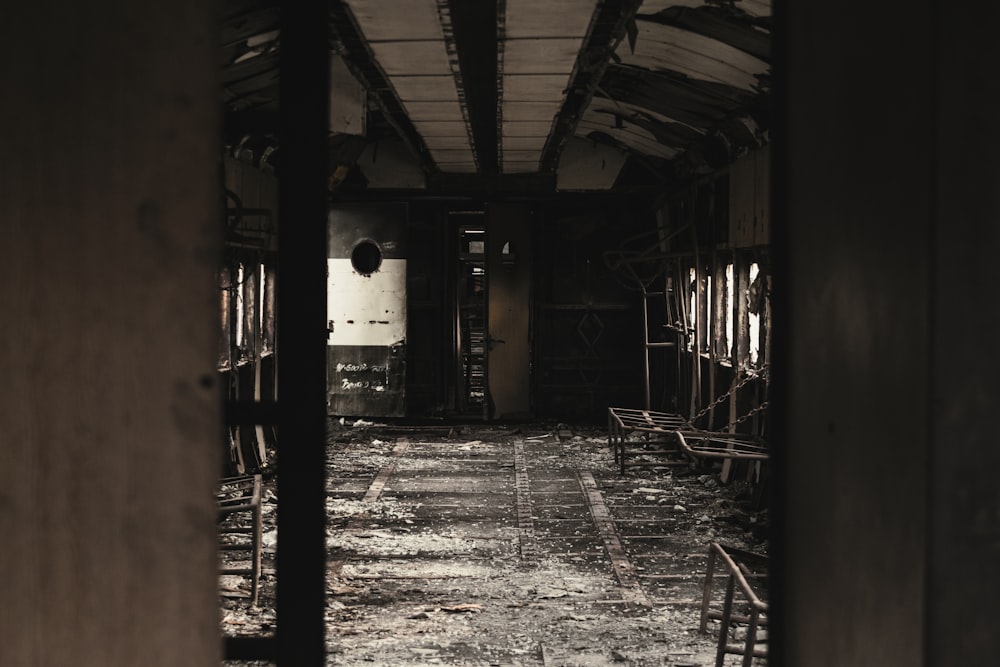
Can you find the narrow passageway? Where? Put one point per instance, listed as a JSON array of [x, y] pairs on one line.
[[514, 545]]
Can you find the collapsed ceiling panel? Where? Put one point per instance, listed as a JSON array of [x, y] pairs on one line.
[[667, 48]]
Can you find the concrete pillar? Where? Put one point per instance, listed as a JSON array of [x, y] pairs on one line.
[[109, 416]]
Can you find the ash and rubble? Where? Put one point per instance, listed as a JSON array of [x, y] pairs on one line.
[[409, 584]]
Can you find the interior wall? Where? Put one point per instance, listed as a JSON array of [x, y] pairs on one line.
[[109, 418]]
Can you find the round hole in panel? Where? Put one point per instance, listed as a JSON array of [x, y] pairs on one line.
[[366, 257]]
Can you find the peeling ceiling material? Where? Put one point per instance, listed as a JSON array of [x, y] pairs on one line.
[[497, 88]]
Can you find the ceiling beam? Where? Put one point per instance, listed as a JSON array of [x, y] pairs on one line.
[[474, 26]]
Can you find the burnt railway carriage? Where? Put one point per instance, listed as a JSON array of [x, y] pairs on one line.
[[756, 236]]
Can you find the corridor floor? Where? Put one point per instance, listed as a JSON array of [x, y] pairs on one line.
[[517, 545]]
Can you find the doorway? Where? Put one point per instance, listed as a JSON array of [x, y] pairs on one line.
[[493, 312]]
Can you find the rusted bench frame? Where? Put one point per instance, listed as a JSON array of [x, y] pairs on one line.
[[742, 566], [718, 445], [624, 421], [235, 495]]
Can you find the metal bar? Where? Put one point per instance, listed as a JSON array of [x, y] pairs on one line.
[[304, 118], [751, 640], [738, 575], [525, 524], [727, 610], [621, 564], [645, 353], [706, 596]]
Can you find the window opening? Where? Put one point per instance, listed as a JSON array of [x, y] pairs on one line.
[[366, 257], [754, 313], [728, 313], [239, 306], [692, 308]]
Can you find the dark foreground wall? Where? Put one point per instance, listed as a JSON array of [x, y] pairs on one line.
[[109, 435], [885, 191]]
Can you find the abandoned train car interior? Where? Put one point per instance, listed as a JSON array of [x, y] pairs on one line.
[[495, 332]]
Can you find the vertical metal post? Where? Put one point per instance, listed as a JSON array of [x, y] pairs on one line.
[[706, 596], [727, 612], [301, 322], [645, 341], [751, 640]]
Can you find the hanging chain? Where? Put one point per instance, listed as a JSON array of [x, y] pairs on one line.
[[762, 373], [759, 408]]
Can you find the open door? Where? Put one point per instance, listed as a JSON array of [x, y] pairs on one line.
[[508, 311]]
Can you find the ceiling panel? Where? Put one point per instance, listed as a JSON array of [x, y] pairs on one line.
[[534, 87], [549, 18], [452, 141], [526, 129], [425, 88], [412, 57], [531, 111], [524, 143], [434, 110], [540, 56], [431, 128], [385, 20]]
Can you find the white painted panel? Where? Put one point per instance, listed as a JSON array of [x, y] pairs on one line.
[[534, 87], [538, 111], [385, 20], [540, 56], [412, 57], [526, 129], [550, 18], [586, 165], [664, 47], [425, 88], [432, 128], [366, 310]]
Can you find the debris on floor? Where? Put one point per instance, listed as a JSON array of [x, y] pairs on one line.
[[484, 545]]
